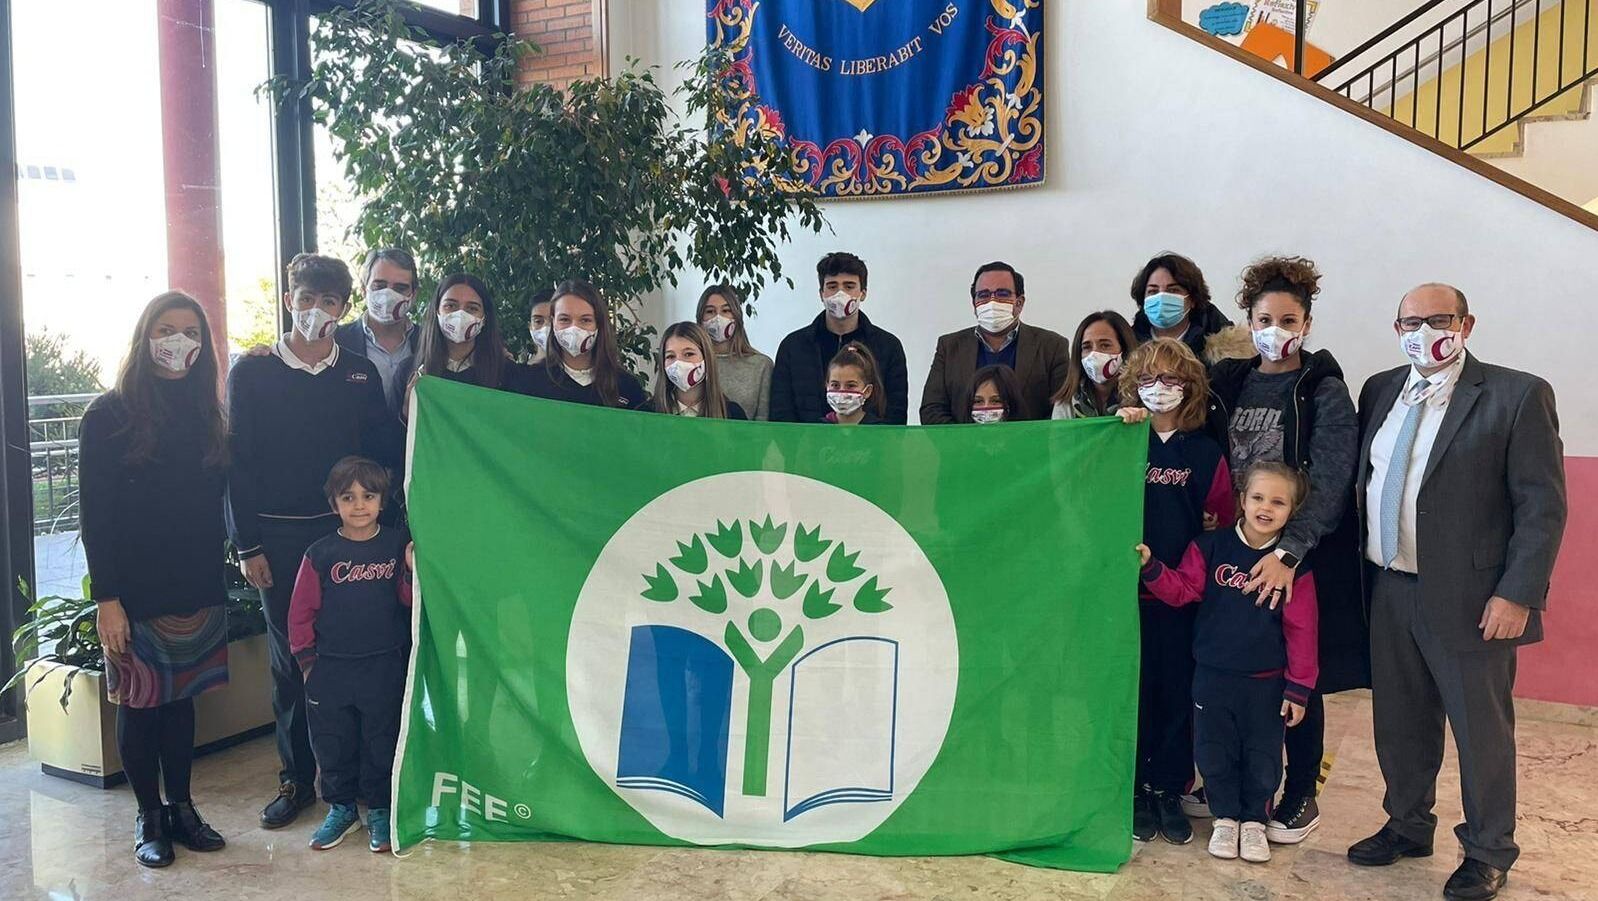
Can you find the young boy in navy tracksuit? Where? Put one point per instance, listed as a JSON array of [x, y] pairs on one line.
[[1256, 657], [349, 628], [1188, 487]]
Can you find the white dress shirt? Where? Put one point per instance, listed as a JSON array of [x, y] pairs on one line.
[[1434, 393], [282, 352]]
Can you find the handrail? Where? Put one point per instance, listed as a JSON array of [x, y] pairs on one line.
[[1442, 51], [1381, 36]]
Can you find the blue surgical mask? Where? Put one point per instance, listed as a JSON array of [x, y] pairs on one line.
[[1165, 310]]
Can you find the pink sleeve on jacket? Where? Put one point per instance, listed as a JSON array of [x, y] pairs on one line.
[[305, 604], [1180, 586], [403, 584], [1301, 628], [1221, 502]]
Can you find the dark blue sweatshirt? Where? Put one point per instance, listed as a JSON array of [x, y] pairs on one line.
[[1187, 477], [351, 598], [1231, 634]]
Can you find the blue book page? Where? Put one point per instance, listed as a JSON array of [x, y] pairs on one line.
[[675, 715], [842, 713]]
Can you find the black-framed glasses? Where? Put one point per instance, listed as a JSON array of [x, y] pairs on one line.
[[996, 294], [1441, 322], [1147, 380]]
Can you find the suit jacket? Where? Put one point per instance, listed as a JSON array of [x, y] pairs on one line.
[[1491, 507], [1042, 360]]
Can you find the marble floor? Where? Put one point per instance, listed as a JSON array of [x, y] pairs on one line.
[[60, 840]]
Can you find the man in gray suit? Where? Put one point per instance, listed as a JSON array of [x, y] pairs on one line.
[[1039, 357], [1462, 497]]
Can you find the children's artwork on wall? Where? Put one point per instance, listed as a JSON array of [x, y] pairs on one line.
[[1224, 19], [1270, 42], [1281, 13]]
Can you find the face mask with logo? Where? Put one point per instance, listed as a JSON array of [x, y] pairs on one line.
[[176, 351], [1165, 310], [846, 403], [995, 316], [541, 339], [1427, 347], [314, 324], [720, 328], [685, 375], [986, 415], [459, 326], [576, 340], [387, 305], [841, 305], [1160, 397], [1276, 343], [1100, 366]]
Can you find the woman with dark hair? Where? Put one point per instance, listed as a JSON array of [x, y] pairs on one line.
[[687, 377], [153, 461], [745, 372], [584, 365], [461, 340], [1173, 301], [1290, 405], [995, 396], [854, 387], [1098, 354]]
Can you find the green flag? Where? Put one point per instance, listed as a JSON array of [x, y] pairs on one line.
[[664, 630]]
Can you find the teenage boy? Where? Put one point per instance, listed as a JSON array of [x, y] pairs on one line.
[[292, 414], [384, 333], [798, 380]]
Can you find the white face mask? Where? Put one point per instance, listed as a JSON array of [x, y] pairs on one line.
[[685, 375], [541, 339], [996, 316], [1427, 347], [841, 305], [176, 351], [845, 403], [720, 328], [576, 340], [459, 326], [1160, 397], [1100, 366], [314, 324], [387, 305], [986, 415], [1276, 343]]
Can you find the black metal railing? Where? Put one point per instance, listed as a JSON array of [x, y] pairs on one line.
[[1472, 100]]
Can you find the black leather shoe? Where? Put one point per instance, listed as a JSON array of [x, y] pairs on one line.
[[1174, 826], [187, 829], [1385, 847], [1474, 881], [1145, 819], [151, 846], [291, 799]]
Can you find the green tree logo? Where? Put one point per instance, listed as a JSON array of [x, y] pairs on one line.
[[760, 584]]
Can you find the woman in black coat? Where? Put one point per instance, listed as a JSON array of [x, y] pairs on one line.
[[152, 464]]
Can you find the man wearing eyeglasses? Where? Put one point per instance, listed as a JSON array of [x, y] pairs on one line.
[[1039, 357], [1462, 494]]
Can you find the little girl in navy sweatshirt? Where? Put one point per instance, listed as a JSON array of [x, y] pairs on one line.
[[349, 629], [1188, 486], [1256, 657]]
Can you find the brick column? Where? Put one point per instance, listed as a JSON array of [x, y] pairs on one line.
[[571, 34]]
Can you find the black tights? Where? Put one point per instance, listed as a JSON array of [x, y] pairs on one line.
[[157, 745]]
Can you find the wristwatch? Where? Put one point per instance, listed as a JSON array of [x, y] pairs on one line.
[[1291, 560]]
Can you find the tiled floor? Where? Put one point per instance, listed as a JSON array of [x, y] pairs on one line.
[[61, 840]]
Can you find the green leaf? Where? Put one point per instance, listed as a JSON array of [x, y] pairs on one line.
[[729, 539], [869, 598], [840, 566], [807, 546], [712, 598], [766, 536], [784, 581], [691, 558], [747, 578], [818, 604], [662, 587]]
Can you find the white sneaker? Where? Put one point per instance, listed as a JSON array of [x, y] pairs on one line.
[[1253, 846], [1223, 840]]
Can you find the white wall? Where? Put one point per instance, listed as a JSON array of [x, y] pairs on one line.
[[1159, 142], [1560, 155]]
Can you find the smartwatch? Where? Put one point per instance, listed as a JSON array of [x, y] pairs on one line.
[[1290, 559]]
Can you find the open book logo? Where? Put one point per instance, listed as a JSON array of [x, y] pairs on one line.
[[762, 658]]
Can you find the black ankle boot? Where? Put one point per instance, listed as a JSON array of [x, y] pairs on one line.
[[151, 845], [186, 828]]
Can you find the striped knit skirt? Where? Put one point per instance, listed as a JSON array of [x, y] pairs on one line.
[[169, 658]]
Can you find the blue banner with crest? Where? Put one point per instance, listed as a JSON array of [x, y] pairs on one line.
[[880, 98]]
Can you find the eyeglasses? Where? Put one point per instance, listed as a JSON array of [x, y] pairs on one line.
[[999, 294], [1164, 378], [1441, 322]]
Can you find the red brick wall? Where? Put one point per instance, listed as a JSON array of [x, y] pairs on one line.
[[571, 34]]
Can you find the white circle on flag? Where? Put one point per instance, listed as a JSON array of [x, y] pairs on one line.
[[860, 698]]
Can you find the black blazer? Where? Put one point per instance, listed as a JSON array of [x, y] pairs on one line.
[[1042, 361]]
